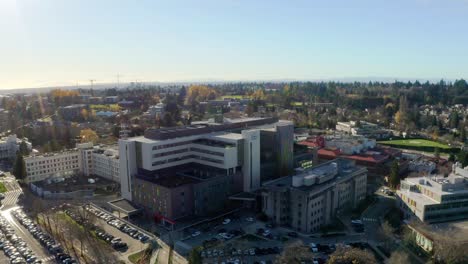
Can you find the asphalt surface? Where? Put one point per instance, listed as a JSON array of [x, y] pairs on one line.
[[9, 204], [134, 245]]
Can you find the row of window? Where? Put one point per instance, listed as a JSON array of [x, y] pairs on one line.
[[52, 170], [52, 161], [157, 163]]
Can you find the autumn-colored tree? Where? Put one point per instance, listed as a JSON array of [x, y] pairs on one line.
[[199, 93], [64, 93], [88, 135], [259, 94], [344, 255], [84, 114]]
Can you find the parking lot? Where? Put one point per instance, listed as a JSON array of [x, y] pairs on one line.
[[42, 241], [18, 245], [135, 240]]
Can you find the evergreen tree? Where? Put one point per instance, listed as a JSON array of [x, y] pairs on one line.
[[437, 153], [23, 148], [462, 133], [394, 178], [451, 157], [19, 168], [463, 158], [194, 256]]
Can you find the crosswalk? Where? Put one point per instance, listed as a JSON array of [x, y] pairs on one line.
[[11, 197]]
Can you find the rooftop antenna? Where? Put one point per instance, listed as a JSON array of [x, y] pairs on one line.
[[92, 83]]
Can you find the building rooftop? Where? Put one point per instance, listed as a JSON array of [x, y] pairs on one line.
[[439, 185], [319, 177], [171, 181], [154, 135]]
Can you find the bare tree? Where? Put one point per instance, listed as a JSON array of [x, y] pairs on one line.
[[294, 253], [447, 249], [398, 257], [386, 231]]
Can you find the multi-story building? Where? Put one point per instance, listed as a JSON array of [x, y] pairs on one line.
[[208, 160], [435, 198], [105, 163], [156, 110], [313, 196], [86, 160], [363, 128], [52, 165], [72, 112], [349, 144], [10, 145]]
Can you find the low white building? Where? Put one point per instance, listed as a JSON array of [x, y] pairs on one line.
[[106, 163], [348, 144], [434, 199], [52, 165], [363, 128], [156, 110], [10, 145], [85, 159]]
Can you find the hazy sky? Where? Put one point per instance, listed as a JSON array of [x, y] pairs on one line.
[[60, 42]]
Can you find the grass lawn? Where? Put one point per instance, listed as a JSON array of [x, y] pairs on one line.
[[415, 143], [296, 103], [234, 96], [2, 188], [140, 257]]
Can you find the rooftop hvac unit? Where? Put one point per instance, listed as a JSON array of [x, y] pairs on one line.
[[297, 181], [309, 180]]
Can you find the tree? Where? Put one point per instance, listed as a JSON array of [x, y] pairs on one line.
[[294, 253], [387, 230], [437, 153], [23, 148], [394, 178], [250, 109], [462, 157], [168, 121], [398, 257], [19, 168], [194, 256], [462, 133], [88, 135], [449, 250], [344, 255], [451, 157], [454, 118]]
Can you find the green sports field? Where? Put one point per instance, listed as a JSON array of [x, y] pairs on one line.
[[414, 143]]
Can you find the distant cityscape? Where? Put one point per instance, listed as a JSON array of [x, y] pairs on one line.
[[236, 173]]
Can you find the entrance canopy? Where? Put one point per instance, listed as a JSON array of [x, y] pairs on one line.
[[124, 206]]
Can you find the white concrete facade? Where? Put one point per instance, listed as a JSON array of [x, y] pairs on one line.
[[434, 199], [52, 165], [85, 160]]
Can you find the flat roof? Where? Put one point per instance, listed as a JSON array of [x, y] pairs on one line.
[[124, 206]]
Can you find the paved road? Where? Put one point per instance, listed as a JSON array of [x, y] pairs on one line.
[[22, 232], [373, 216], [133, 244], [9, 204]]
